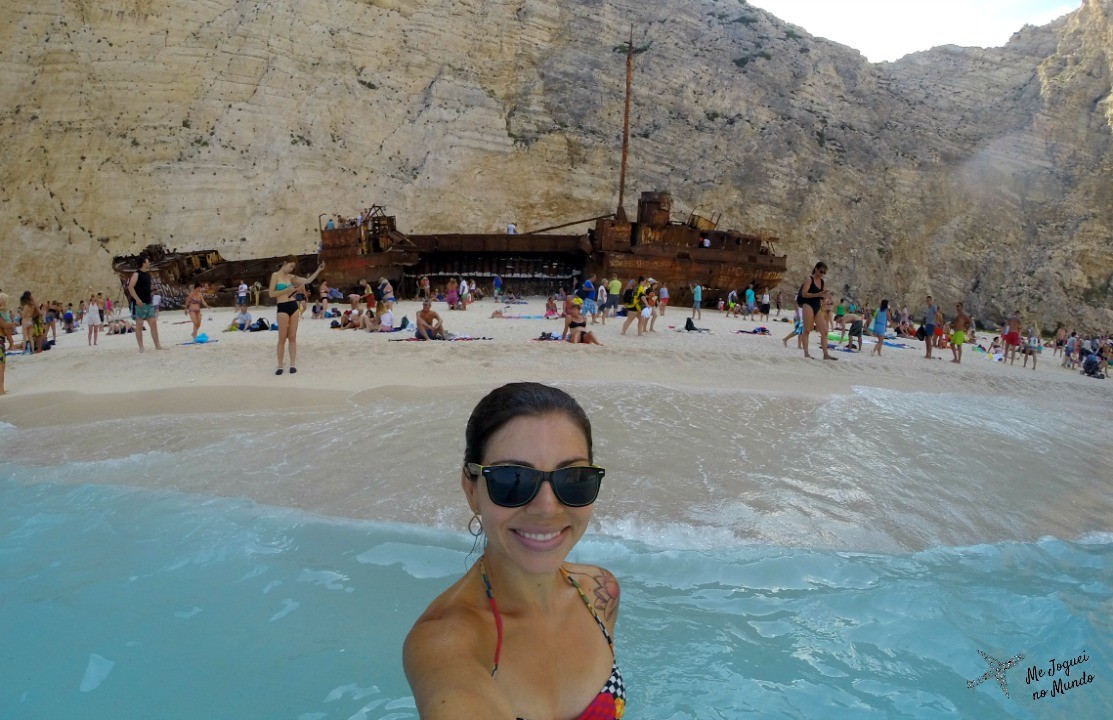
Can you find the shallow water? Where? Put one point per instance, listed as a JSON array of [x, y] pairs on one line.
[[785, 557]]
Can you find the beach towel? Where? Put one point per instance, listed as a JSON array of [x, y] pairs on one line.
[[526, 317], [206, 342], [453, 338], [755, 331], [547, 337]]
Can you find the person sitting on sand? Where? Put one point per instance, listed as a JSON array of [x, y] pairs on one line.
[[383, 322], [241, 320], [551, 308], [575, 326], [430, 326]]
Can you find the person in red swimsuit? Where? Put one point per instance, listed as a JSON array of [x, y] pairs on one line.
[[524, 633], [1011, 337]]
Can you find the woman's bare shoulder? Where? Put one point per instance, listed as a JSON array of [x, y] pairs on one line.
[[448, 658], [600, 586]]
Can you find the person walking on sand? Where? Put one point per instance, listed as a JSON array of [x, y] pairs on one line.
[[285, 285], [139, 290], [797, 328], [810, 298], [959, 328], [194, 303], [880, 325]]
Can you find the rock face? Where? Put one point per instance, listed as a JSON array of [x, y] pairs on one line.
[[976, 175]]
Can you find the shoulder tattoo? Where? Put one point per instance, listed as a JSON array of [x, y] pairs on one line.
[[603, 591]]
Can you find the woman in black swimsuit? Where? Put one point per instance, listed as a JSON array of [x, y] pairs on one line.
[[284, 284], [810, 298]]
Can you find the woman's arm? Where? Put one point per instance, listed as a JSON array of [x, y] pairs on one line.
[[447, 677], [311, 278]]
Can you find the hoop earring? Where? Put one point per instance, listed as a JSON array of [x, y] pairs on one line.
[[475, 525]]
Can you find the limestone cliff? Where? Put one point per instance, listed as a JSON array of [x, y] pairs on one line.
[[980, 175]]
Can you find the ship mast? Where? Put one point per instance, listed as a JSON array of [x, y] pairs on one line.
[[621, 214]]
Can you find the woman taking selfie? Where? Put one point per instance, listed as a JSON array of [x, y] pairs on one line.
[[524, 633]]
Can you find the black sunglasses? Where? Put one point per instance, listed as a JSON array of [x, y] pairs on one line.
[[513, 486]]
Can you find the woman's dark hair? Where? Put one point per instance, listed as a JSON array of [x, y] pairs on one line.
[[884, 305], [514, 400], [291, 259], [819, 266]]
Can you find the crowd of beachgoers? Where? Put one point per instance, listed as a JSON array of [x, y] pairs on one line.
[[31, 326]]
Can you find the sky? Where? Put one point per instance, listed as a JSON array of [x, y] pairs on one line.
[[888, 29]]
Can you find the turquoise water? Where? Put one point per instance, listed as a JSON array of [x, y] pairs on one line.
[[133, 603], [791, 558]]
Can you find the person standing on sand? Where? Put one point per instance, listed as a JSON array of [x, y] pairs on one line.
[[1011, 337], [285, 285], [930, 311], [1032, 346], [663, 299], [880, 325], [139, 290], [323, 291], [810, 298], [194, 302], [697, 301], [241, 294], [614, 294], [94, 318], [958, 335]]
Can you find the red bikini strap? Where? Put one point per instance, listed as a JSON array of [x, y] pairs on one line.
[[495, 612]]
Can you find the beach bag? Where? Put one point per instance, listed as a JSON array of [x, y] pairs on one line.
[[334, 324], [405, 323], [689, 325], [920, 333]]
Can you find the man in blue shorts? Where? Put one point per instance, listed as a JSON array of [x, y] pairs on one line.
[[929, 326], [697, 301]]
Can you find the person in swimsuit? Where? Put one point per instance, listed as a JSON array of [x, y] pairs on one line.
[[323, 293], [524, 633], [194, 302], [140, 290], [575, 325], [810, 298], [283, 288]]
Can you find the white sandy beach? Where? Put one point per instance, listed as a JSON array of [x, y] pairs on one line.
[[69, 382]]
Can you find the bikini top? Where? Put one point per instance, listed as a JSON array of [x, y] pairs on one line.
[[610, 702], [281, 286]]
